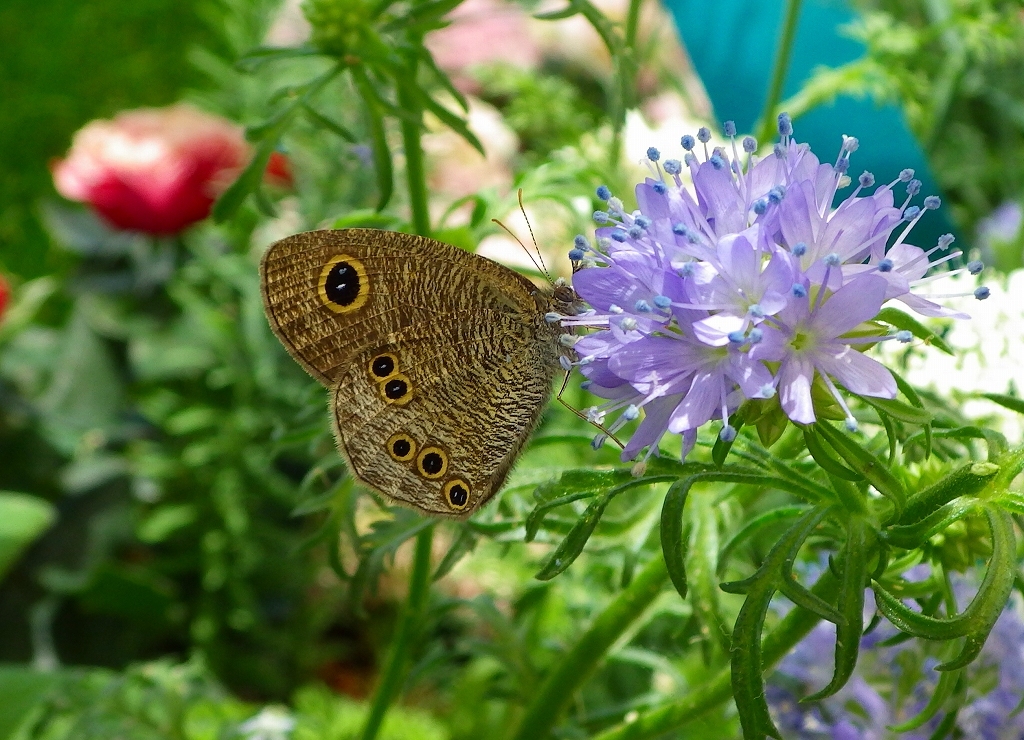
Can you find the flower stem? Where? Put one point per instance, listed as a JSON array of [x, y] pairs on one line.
[[766, 128], [575, 667], [408, 626], [415, 173], [670, 717]]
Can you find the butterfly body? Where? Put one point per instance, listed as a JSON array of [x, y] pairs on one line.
[[439, 361]]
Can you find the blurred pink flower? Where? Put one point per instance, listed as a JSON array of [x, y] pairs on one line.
[[279, 171], [483, 31], [155, 170]]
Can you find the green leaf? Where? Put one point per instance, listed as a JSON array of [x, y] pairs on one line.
[[754, 526], [23, 518], [22, 689], [943, 690], [976, 621], [1013, 403], [571, 547], [853, 580], [968, 480], [824, 459], [452, 121], [378, 138], [995, 590], [673, 537], [899, 410], [464, 543], [995, 441], [900, 320], [331, 125], [164, 521], [536, 517], [256, 58], [909, 536], [747, 666], [865, 463]]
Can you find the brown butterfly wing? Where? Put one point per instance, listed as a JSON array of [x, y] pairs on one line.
[[401, 279], [440, 360]]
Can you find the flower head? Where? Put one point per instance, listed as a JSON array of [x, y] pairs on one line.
[[753, 285], [155, 170]]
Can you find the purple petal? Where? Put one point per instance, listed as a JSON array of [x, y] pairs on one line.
[[853, 304], [795, 378], [653, 426], [859, 373], [701, 403]]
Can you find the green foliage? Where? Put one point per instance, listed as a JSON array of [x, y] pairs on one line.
[[200, 511]]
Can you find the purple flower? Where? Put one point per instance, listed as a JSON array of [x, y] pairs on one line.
[[750, 286]]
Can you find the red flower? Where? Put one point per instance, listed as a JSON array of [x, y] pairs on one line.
[[156, 170], [279, 171], [5, 296]]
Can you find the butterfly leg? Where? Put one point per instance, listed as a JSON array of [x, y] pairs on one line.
[[565, 383]]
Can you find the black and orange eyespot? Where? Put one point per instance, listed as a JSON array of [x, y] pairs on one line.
[[456, 494], [402, 447], [343, 285], [396, 390], [432, 463], [384, 365]]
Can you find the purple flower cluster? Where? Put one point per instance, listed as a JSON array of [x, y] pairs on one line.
[[752, 286]]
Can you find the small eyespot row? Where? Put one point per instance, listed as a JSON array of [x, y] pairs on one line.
[[432, 464]]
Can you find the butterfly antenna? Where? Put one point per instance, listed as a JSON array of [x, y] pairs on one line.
[[534, 238], [525, 248]]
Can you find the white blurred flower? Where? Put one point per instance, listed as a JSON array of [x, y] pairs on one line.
[[989, 349], [271, 723]]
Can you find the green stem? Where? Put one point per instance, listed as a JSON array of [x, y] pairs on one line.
[[766, 129], [574, 668], [408, 625], [669, 718], [415, 172]]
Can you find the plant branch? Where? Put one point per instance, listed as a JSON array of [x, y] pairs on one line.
[[765, 128]]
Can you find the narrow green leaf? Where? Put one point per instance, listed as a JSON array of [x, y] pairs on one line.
[[968, 480], [915, 400], [899, 410], [331, 125], [256, 58], [755, 525], [452, 121], [571, 547], [378, 138], [23, 689], [747, 667], [943, 690], [673, 537], [909, 536], [464, 543], [900, 320], [556, 15], [995, 589], [536, 517], [231, 200], [1013, 403], [867, 465], [824, 459], [854, 578], [995, 441], [976, 621]]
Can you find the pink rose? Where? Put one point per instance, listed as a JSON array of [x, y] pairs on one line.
[[155, 170]]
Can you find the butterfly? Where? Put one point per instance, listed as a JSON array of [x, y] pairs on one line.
[[439, 361]]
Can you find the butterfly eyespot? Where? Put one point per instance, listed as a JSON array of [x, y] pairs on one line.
[[396, 390], [384, 365], [343, 284], [432, 463], [456, 494], [401, 447]]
